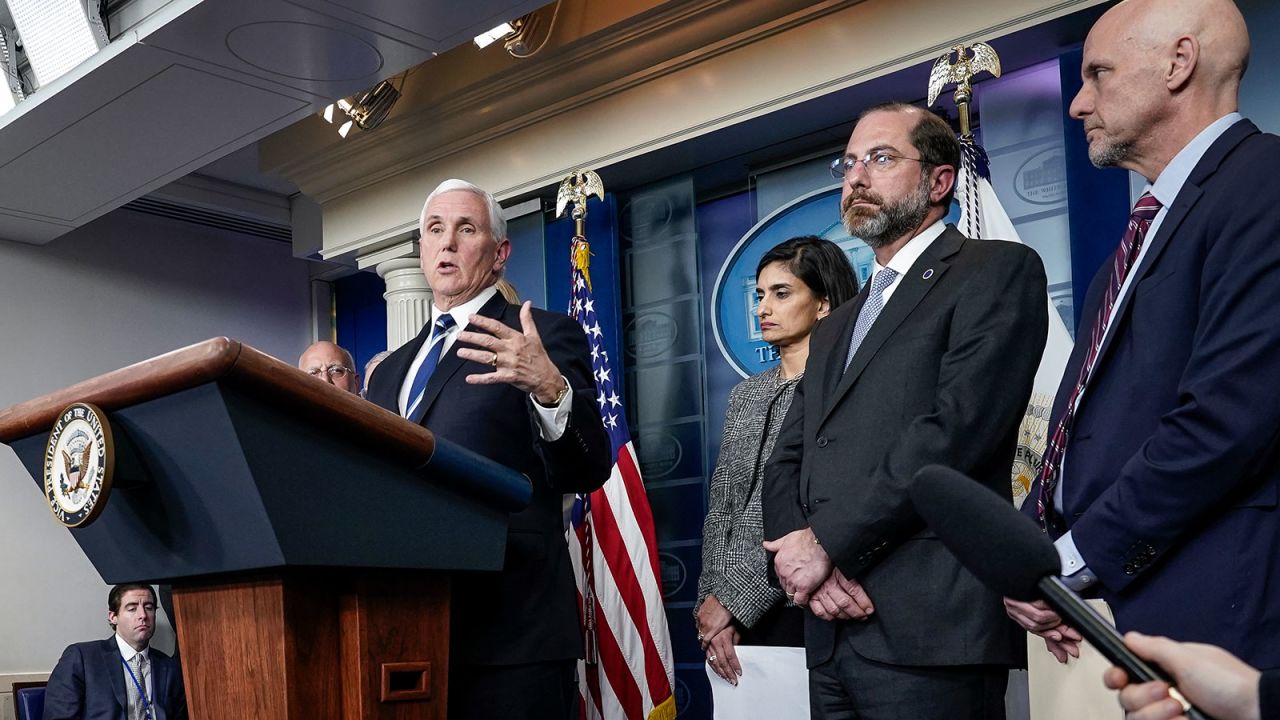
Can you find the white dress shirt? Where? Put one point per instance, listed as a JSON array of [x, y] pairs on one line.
[[907, 255], [1075, 569], [552, 421], [127, 652]]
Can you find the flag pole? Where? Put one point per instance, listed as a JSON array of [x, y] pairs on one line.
[[573, 193], [628, 670]]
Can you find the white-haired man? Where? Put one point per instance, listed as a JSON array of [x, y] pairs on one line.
[[515, 385], [330, 363]]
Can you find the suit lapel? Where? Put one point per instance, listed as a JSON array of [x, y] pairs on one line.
[[1173, 218], [112, 662], [387, 394], [924, 274], [159, 679], [834, 363], [451, 363]]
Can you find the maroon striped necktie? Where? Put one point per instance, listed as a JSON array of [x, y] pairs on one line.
[[1130, 245]]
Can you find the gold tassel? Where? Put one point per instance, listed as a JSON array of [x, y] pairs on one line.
[[581, 252]]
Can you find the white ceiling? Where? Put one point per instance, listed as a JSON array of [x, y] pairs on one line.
[[195, 83], [241, 168]]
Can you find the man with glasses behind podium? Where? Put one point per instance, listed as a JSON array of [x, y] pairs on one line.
[[122, 677], [332, 364]]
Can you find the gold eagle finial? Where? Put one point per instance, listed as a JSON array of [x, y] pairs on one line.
[[575, 189], [970, 60]]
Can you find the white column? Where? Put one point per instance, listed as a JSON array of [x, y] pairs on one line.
[[408, 299]]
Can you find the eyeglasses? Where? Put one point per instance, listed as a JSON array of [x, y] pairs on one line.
[[331, 372], [876, 161]]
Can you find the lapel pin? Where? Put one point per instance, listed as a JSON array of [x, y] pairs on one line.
[[928, 273]]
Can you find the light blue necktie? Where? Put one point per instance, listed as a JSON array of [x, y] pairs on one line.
[[870, 310], [138, 708], [439, 332]]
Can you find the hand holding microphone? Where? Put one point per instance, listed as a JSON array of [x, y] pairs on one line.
[[1215, 679], [1010, 555]]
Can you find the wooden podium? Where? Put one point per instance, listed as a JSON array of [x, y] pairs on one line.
[[308, 534]]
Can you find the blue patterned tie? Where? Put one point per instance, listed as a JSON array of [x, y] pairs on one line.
[[439, 332], [870, 310]]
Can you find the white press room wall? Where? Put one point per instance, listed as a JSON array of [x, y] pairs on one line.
[[122, 289]]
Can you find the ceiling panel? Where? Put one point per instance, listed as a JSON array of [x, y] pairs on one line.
[[191, 114]]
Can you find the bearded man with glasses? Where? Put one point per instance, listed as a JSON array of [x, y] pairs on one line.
[[932, 363]]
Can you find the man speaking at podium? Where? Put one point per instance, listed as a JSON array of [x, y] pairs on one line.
[[515, 385]]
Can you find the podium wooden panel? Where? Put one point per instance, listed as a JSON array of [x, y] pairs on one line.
[[309, 535]]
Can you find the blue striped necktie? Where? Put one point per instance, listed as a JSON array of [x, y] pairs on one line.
[[439, 332], [870, 311]]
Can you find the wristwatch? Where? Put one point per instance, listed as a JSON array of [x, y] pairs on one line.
[[559, 396]]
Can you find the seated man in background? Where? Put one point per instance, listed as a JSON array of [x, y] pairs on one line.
[[122, 677], [332, 364]]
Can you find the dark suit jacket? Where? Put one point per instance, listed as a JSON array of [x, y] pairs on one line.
[[1171, 470], [528, 612], [1269, 695], [88, 684], [943, 376]]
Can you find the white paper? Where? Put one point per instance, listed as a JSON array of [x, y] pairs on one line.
[[774, 686], [1074, 690]]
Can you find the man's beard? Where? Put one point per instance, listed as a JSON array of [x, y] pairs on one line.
[[1110, 154], [887, 221]]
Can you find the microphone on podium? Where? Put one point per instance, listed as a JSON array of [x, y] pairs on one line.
[[1007, 551]]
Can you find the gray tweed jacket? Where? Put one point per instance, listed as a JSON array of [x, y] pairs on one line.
[[734, 566]]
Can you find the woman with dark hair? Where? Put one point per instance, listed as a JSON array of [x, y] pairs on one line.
[[798, 282]]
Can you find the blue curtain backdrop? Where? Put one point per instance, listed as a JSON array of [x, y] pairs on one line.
[[361, 316]]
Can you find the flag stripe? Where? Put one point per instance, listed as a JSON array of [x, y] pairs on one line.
[[614, 666], [649, 577], [620, 563], [640, 511]]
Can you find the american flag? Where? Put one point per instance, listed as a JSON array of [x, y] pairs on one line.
[[628, 670]]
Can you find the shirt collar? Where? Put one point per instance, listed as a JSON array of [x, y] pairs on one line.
[[127, 652], [1175, 174], [907, 255], [461, 312]]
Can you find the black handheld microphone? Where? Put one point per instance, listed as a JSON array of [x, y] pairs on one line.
[[1007, 552]]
